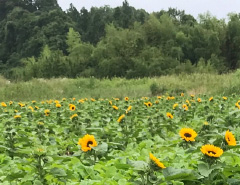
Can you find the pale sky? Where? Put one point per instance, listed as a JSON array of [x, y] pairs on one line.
[[218, 8]]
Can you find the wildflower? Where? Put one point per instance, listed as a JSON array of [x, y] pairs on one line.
[[188, 134], [87, 142], [230, 139], [121, 118], [211, 150], [169, 115], [156, 161]]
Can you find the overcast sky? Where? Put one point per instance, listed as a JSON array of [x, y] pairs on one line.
[[218, 8]]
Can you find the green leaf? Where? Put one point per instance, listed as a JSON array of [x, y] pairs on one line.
[[58, 172], [204, 169], [138, 165], [179, 174]]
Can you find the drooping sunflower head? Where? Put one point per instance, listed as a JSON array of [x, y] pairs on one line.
[[169, 115], [73, 116], [211, 150], [121, 118], [110, 102], [87, 142], [211, 99], [17, 117], [128, 109], [156, 161], [115, 107], [188, 134], [72, 107], [230, 139]]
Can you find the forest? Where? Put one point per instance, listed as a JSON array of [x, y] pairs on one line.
[[40, 40]]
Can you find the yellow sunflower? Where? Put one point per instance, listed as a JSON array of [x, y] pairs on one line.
[[175, 105], [182, 94], [58, 105], [157, 102], [47, 112], [81, 101], [156, 161], [211, 99], [148, 104], [87, 142], [169, 115], [230, 139], [199, 100], [159, 97], [126, 98], [56, 101], [4, 104], [110, 102], [115, 107], [185, 107], [72, 107], [73, 116], [211, 150], [224, 98], [121, 118], [17, 117], [188, 134], [129, 109], [92, 99]]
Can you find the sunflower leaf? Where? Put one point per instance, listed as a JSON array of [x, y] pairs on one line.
[[179, 174]]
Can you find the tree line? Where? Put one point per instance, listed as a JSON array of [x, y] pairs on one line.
[[40, 40]]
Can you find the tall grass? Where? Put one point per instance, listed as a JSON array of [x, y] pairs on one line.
[[41, 89]]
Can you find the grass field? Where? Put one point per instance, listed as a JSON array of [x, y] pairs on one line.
[[40, 89]]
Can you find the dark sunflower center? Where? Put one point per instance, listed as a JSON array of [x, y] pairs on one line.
[[211, 152], [187, 135], [89, 143], [229, 139], [72, 108]]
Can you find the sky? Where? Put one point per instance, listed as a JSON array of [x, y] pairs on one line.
[[218, 8]]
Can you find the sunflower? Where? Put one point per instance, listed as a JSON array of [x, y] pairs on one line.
[[81, 101], [72, 107], [17, 117], [170, 98], [126, 98], [211, 150], [148, 104], [56, 101], [110, 102], [188, 134], [175, 105], [120, 118], [159, 97], [30, 107], [199, 100], [73, 116], [58, 105], [4, 104], [182, 94], [157, 102], [129, 109], [73, 99], [87, 142], [92, 99], [115, 107], [64, 99], [169, 115], [156, 161], [185, 107], [33, 101], [211, 99], [11, 102], [187, 101], [36, 107], [230, 139], [47, 112], [117, 99], [224, 98]]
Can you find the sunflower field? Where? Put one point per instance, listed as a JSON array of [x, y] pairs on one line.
[[163, 140]]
